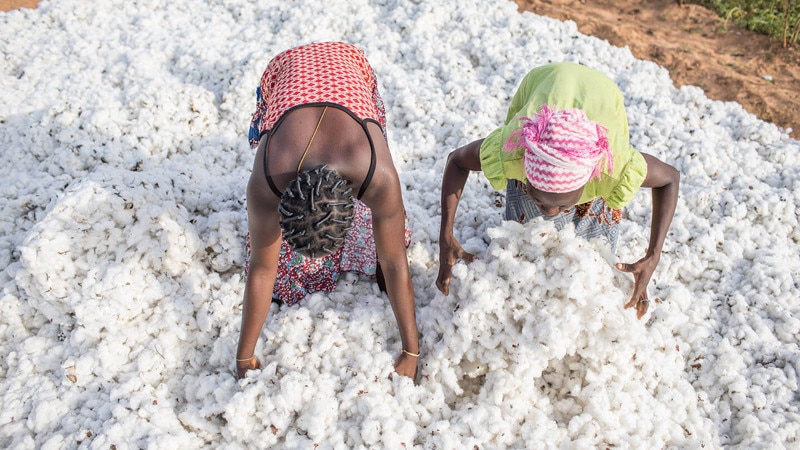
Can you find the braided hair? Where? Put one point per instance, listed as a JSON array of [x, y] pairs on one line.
[[316, 212]]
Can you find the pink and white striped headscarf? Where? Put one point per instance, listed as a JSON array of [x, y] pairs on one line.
[[563, 149]]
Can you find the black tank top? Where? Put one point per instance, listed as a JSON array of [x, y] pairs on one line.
[[363, 124]]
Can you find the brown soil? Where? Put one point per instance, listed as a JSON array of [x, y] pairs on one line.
[[8, 5], [698, 48]]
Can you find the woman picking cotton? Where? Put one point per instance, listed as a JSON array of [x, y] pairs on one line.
[[319, 131], [564, 153]]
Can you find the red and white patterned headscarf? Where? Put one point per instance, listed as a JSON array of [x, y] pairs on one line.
[[563, 149]]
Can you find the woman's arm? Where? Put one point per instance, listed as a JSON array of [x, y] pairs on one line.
[[388, 222], [265, 245], [665, 181], [459, 164]]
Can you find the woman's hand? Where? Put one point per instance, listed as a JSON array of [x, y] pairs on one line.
[[242, 367], [388, 224], [642, 270], [406, 365], [450, 252], [459, 164], [665, 181], [265, 246]]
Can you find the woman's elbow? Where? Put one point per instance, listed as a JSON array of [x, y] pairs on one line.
[[674, 176]]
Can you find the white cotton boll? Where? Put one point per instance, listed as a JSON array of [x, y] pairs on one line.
[[730, 366], [445, 434], [54, 442], [201, 426], [294, 391], [319, 419], [564, 334], [583, 425], [370, 432], [181, 247], [204, 112], [46, 411], [150, 366], [293, 439], [224, 242], [398, 435], [239, 410]]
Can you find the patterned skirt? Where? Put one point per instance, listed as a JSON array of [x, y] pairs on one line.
[[591, 219], [299, 276]]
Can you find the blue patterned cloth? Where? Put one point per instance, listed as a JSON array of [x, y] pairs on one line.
[[592, 219]]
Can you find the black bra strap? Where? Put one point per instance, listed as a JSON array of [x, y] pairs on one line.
[[373, 157], [372, 161], [266, 172]]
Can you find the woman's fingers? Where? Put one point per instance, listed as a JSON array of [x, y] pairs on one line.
[[245, 366], [626, 267], [466, 257], [406, 366], [641, 308], [639, 298], [443, 280], [446, 267]]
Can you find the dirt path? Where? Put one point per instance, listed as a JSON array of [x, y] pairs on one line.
[[8, 5], [727, 62]]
